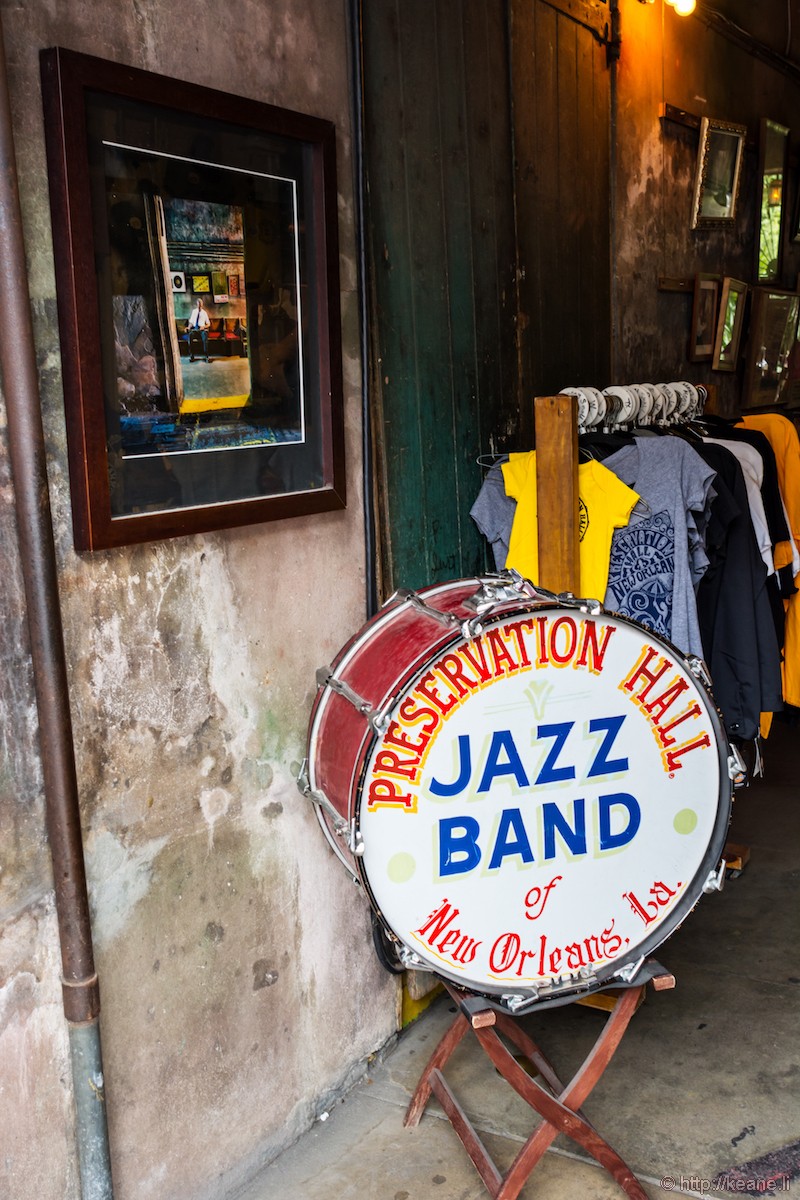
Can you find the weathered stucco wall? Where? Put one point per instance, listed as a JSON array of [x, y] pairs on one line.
[[239, 986], [679, 61]]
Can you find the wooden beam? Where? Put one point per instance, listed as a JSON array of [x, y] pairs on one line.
[[556, 423]]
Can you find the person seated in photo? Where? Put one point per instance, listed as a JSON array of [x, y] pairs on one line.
[[198, 323]]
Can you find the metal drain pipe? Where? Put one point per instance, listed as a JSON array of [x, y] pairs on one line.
[[37, 553]]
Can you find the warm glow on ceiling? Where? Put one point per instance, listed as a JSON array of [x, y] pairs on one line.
[[683, 7]]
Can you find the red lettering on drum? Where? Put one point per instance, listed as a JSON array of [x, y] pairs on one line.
[[481, 668], [503, 953], [650, 909], [389, 762], [694, 710], [504, 662], [657, 708], [565, 641], [563, 655], [508, 956], [541, 642], [598, 650], [672, 757], [413, 714], [515, 631], [645, 674], [460, 947], [438, 920], [385, 793], [641, 672], [452, 668], [396, 736], [429, 694]]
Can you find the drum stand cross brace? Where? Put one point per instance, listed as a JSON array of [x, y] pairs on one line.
[[557, 1103]]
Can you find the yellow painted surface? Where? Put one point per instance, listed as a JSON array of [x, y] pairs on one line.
[[212, 403], [412, 1009]]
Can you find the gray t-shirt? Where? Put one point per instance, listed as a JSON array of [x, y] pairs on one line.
[[493, 513], [655, 560]]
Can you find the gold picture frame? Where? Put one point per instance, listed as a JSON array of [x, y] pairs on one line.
[[729, 324], [718, 174]]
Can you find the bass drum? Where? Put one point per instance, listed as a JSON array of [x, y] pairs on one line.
[[534, 792]]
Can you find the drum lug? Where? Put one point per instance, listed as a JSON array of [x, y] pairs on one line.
[[411, 961], [513, 1001], [379, 721], [340, 826], [716, 879], [590, 606], [699, 669], [628, 973], [355, 841], [737, 767], [406, 596]]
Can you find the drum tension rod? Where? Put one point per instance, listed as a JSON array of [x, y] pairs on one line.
[[342, 828], [378, 720], [405, 596]]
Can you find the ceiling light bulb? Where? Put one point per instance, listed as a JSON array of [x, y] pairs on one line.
[[684, 7]]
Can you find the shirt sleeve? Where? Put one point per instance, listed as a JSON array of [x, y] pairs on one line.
[[622, 499], [517, 472]]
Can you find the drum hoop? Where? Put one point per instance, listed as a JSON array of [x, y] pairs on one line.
[[693, 889]]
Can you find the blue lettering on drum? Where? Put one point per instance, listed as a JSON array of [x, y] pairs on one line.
[[503, 759], [459, 837]]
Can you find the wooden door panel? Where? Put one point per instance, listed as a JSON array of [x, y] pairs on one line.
[[440, 232]]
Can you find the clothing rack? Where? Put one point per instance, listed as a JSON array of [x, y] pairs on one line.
[[558, 422]]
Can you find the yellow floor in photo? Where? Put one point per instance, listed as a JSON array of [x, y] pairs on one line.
[[211, 403]]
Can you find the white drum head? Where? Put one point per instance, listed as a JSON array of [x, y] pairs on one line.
[[546, 804]]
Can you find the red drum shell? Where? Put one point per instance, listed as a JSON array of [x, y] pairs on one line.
[[596, 802], [376, 663]]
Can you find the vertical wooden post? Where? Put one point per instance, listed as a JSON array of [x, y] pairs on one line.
[[555, 419]]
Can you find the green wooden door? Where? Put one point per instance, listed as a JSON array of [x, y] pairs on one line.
[[488, 252], [442, 265], [562, 141]]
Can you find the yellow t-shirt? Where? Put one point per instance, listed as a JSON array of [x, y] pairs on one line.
[[605, 503]]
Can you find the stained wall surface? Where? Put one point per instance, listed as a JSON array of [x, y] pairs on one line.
[[240, 990], [685, 63]]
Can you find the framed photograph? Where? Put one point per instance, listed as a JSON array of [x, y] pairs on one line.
[[705, 309], [208, 406], [718, 173], [729, 324], [219, 287], [773, 362]]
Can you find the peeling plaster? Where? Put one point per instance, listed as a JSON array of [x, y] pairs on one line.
[[35, 1096], [213, 805], [120, 878]]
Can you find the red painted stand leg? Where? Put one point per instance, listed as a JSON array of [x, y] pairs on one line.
[[557, 1104]]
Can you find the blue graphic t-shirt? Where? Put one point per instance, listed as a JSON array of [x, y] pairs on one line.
[[642, 570], [655, 559]]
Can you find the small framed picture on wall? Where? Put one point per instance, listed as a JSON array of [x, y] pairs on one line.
[[718, 173], [705, 309], [729, 324]]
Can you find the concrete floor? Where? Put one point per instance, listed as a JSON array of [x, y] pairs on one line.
[[707, 1076]]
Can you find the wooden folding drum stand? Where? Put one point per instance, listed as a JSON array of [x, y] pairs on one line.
[[557, 1103]]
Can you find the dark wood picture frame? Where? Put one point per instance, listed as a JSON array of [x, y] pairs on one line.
[[705, 310], [730, 323], [151, 179]]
